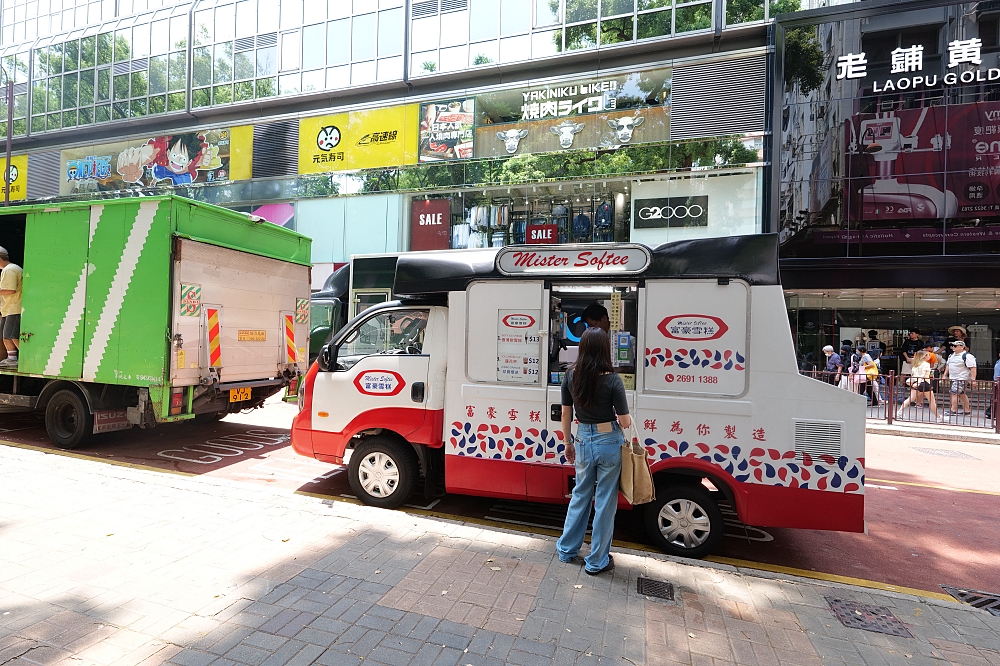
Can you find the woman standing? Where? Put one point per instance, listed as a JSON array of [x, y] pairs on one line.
[[598, 395], [920, 386]]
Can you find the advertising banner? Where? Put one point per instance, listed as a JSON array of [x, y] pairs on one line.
[[430, 224], [604, 112], [359, 139], [925, 164], [518, 346], [446, 129], [18, 174], [201, 156]]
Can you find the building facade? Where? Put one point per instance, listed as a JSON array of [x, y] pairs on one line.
[[388, 125], [887, 165]]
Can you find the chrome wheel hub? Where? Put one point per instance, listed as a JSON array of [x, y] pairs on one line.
[[378, 474], [684, 523]]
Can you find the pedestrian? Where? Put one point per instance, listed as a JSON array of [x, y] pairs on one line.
[[597, 394], [10, 307], [846, 351], [911, 346], [956, 333], [920, 385], [858, 376], [873, 371], [996, 390], [961, 369], [834, 366]]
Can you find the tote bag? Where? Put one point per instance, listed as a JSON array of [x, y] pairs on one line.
[[636, 482]]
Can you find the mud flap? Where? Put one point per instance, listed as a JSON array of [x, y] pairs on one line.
[[433, 460]]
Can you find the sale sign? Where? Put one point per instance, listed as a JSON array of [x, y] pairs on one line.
[[430, 224], [542, 234]]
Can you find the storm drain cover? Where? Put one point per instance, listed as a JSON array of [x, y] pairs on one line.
[[944, 453], [868, 617], [655, 588], [988, 601]]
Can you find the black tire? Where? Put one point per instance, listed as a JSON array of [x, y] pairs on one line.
[[383, 455], [67, 420], [684, 520]]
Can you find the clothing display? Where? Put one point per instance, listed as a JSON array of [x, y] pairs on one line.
[[495, 225]]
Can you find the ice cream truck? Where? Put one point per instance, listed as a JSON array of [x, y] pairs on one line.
[[456, 385]]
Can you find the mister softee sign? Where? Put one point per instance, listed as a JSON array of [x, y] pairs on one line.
[[616, 259]]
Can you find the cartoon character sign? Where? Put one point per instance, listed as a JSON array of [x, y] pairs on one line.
[[176, 158]]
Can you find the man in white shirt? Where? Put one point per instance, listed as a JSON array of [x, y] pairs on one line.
[[961, 369]]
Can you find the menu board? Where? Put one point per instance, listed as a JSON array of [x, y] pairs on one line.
[[446, 129], [518, 346]]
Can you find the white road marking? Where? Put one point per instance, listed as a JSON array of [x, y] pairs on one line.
[[872, 485]]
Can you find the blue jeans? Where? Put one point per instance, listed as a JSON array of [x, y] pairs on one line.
[[598, 465]]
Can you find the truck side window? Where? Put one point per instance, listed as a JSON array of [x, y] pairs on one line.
[[392, 332]]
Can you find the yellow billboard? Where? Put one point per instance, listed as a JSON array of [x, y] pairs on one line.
[[359, 139], [18, 177]]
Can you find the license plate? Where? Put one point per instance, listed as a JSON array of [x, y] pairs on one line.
[[239, 394]]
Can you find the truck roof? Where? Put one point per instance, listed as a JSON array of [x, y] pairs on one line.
[[203, 222], [751, 258]]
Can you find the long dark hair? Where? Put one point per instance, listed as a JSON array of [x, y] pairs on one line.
[[593, 361]]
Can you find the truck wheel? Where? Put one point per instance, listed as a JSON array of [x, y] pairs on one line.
[[684, 520], [383, 471], [67, 420], [210, 417]]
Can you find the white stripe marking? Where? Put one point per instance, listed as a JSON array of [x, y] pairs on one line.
[[77, 305], [119, 286]]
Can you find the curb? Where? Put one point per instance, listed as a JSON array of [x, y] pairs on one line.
[[954, 435]]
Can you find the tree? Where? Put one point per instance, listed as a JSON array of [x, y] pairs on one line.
[[803, 59]]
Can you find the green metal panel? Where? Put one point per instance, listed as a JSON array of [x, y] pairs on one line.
[[128, 294], [55, 277]]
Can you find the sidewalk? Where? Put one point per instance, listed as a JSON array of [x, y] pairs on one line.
[[111, 565], [932, 431]]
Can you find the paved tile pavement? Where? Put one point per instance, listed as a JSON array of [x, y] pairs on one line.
[[115, 566]]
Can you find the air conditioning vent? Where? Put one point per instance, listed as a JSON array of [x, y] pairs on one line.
[[453, 5], [140, 64], [244, 44], [269, 39], [426, 8], [818, 438], [121, 68]]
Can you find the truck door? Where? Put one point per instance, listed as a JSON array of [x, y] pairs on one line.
[[55, 291], [379, 380], [499, 416]]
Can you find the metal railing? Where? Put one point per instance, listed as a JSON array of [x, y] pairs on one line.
[[888, 393]]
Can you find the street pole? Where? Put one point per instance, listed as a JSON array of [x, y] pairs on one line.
[[10, 131]]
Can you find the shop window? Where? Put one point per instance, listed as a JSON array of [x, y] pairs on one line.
[[87, 46], [693, 17], [580, 10], [362, 44], [158, 75], [546, 13], [878, 46], [223, 69], [616, 7], [515, 17], [390, 33], [654, 24], [581, 36], [483, 19], [615, 31], [338, 42]]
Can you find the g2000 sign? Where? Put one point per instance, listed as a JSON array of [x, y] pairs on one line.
[[671, 212]]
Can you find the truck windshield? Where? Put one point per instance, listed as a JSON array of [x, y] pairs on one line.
[[393, 332]]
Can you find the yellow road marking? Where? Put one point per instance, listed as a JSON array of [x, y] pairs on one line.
[[747, 564], [928, 485], [833, 578]]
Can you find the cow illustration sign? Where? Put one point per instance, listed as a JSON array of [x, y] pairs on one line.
[[385, 383], [698, 339]]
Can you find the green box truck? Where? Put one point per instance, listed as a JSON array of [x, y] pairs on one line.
[[145, 310]]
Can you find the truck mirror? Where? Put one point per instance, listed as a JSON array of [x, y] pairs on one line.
[[327, 357]]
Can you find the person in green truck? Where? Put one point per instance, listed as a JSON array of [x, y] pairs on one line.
[[10, 307]]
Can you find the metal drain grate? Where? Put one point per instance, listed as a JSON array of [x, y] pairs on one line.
[[944, 453], [988, 601], [654, 588], [868, 617]]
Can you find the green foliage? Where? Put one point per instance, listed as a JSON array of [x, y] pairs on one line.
[[803, 59], [429, 66], [481, 60]]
